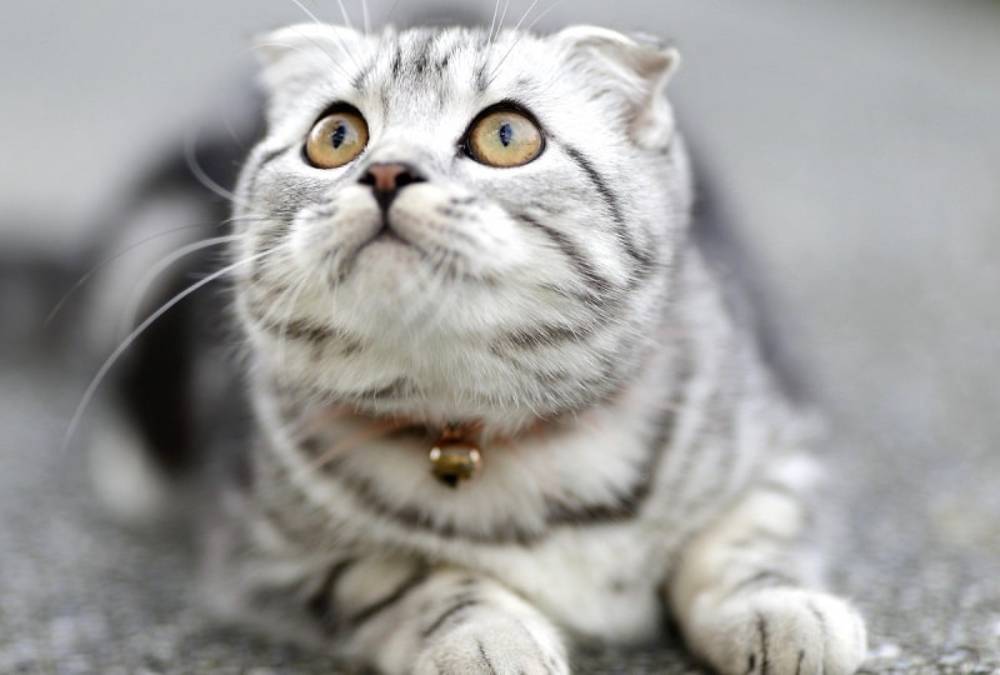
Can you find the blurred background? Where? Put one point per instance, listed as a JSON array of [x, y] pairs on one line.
[[856, 145]]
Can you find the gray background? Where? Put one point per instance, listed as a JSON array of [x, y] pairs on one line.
[[857, 141]]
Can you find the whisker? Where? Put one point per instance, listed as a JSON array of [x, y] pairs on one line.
[[503, 17], [333, 61], [392, 9], [343, 13], [140, 289], [366, 19], [102, 372], [525, 15], [517, 40], [104, 262], [307, 12], [493, 21], [542, 15], [191, 158], [330, 56], [231, 130]]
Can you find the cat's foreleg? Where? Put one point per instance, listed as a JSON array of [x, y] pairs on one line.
[[738, 597], [407, 617]]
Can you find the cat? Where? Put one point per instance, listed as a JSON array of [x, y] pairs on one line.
[[501, 403]]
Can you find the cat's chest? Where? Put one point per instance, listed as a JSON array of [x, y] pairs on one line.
[[599, 580], [600, 583], [373, 486]]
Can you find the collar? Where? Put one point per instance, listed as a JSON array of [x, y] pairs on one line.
[[455, 449]]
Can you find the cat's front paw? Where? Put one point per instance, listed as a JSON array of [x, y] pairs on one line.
[[780, 631], [493, 645]]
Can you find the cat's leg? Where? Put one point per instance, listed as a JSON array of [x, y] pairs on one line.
[[738, 598], [406, 617]]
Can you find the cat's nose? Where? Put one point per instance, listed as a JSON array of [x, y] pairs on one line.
[[387, 179]]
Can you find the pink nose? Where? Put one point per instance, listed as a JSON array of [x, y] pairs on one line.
[[387, 179]]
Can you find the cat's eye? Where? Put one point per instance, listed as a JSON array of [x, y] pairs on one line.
[[504, 138], [336, 139]]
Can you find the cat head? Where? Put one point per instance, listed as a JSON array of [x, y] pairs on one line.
[[453, 223]]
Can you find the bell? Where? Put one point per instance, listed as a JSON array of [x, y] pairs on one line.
[[454, 460]]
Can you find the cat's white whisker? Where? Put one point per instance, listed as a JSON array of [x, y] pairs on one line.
[[365, 18], [140, 289], [333, 60], [118, 254], [105, 368], [524, 16], [344, 14], [496, 26], [392, 9], [517, 40], [542, 15], [493, 21], [307, 12], [503, 16], [191, 157]]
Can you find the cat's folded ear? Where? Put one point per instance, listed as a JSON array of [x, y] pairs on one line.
[[287, 51], [636, 69]]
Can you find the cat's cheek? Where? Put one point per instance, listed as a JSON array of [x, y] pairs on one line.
[[310, 242]]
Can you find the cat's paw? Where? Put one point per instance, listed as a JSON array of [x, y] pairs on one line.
[[780, 631], [493, 645]]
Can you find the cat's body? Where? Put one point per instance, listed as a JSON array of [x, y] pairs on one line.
[[635, 453]]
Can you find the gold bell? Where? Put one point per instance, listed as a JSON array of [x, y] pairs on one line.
[[454, 459]]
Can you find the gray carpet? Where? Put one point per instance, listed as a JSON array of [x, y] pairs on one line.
[[859, 143]]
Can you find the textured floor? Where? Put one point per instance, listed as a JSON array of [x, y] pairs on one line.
[[858, 141]]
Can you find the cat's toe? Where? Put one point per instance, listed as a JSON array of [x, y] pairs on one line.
[[783, 631], [497, 647]]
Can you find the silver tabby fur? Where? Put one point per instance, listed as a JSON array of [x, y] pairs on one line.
[[670, 473]]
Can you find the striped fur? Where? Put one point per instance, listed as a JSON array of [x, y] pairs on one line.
[[667, 471]]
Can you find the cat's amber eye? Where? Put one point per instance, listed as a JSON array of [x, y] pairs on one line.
[[504, 138], [336, 139]]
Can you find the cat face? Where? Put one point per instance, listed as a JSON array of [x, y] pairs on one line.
[[459, 224]]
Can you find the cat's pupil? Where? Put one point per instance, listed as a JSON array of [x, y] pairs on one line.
[[506, 132], [338, 135]]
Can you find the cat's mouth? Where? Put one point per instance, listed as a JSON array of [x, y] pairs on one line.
[[384, 234], [385, 240]]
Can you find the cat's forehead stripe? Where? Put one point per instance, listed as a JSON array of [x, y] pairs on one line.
[[420, 59]]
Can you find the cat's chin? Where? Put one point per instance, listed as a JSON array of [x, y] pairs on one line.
[[385, 264]]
